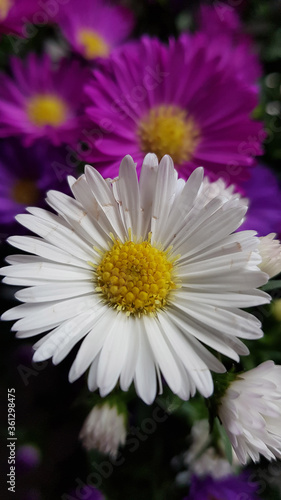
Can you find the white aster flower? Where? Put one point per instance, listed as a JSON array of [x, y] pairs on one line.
[[203, 459], [270, 250], [144, 274], [250, 412], [104, 429], [211, 190]]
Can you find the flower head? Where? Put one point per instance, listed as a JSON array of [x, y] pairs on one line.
[[41, 101], [94, 27], [270, 250], [202, 458], [186, 101], [26, 175], [14, 14], [229, 488], [146, 272], [28, 457], [250, 412], [104, 429], [222, 24]]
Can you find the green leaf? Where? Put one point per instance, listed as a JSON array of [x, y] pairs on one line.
[[225, 441], [271, 285]]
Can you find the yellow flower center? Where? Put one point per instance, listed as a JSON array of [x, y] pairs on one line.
[[5, 6], [136, 277], [47, 109], [93, 44], [26, 192], [169, 130]]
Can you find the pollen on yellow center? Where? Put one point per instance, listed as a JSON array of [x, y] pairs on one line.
[[25, 191], [5, 6], [93, 44], [169, 130], [47, 109], [136, 277]]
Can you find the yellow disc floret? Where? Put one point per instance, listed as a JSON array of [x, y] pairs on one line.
[[47, 109], [93, 44], [136, 277], [5, 6], [169, 130], [25, 191]]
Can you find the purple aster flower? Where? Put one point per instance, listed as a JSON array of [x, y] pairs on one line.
[[228, 488], [42, 101], [184, 99], [14, 14], [222, 24], [26, 175], [28, 457], [94, 27], [264, 193]]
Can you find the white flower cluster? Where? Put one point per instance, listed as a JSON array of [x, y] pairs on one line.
[[250, 411]]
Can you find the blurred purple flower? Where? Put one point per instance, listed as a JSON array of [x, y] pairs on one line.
[[222, 24], [94, 27], [264, 192], [41, 100], [14, 14], [87, 493], [185, 99], [228, 488], [26, 175], [28, 457]]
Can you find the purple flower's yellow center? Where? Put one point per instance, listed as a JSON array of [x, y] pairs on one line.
[[26, 192], [169, 130], [47, 109], [136, 277], [93, 44], [5, 6]]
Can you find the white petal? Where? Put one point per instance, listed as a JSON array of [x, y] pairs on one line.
[[40, 247], [129, 366], [225, 298], [113, 354], [92, 375], [126, 192], [86, 197], [147, 182], [54, 230], [47, 271], [163, 197], [162, 354], [145, 376], [77, 217], [181, 207], [62, 339], [193, 363], [46, 293], [214, 339], [216, 227], [105, 199], [40, 315], [92, 344]]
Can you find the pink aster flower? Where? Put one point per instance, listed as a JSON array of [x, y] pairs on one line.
[[222, 24], [94, 27], [14, 14], [184, 99], [41, 101]]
